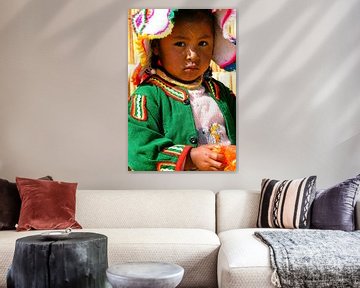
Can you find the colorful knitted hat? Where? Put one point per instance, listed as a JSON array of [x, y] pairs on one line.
[[152, 24]]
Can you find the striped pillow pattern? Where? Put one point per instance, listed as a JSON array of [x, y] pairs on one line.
[[286, 203]]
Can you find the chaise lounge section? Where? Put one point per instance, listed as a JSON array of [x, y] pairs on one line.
[[244, 260]]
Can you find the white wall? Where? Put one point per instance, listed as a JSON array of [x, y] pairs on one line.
[[63, 92]]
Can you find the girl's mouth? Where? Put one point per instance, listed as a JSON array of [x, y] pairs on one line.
[[191, 65], [191, 68]]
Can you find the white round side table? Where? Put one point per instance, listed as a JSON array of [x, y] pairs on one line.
[[145, 275]]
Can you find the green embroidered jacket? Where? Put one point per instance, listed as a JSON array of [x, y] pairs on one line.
[[161, 127]]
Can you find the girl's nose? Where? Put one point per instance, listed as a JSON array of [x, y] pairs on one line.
[[191, 54]]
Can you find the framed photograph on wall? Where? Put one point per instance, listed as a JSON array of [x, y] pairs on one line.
[[182, 87]]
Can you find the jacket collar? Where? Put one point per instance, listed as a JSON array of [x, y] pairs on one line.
[[180, 93]]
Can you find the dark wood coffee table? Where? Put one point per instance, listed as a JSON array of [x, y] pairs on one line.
[[78, 260]]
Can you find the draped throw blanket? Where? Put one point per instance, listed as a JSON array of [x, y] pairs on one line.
[[313, 258]]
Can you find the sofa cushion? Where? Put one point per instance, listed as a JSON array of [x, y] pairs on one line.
[[153, 209], [46, 204], [236, 209], [286, 204], [244, 260], [334, 208], [196, 250]]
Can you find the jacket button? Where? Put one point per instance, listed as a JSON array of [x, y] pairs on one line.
[[193, 140], [187, 101]]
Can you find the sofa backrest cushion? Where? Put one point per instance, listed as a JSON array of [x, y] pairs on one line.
[[236, 209], [146, 209]]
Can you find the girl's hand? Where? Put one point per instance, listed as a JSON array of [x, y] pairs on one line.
[[205, 159]]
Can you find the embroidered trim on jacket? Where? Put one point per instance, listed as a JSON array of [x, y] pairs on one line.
[[175, 150], [174, 92], [213, 87], [165, 166], [138, 107]]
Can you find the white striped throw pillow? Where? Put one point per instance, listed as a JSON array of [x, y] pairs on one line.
[[286, 203]]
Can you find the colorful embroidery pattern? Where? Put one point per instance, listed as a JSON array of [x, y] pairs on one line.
[[166, 166], [175, 150], [138, 107], [213, 88], [174, 92]]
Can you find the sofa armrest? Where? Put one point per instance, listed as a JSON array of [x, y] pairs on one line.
[[357, 215]]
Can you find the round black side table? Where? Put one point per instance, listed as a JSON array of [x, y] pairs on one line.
[[79, 260]]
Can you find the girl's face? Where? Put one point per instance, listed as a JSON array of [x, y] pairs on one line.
[[187, 51]]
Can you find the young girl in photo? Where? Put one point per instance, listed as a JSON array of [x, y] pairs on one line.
[[179, 117]]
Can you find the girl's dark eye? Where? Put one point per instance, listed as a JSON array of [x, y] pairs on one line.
[[203, 43], [180, 44]]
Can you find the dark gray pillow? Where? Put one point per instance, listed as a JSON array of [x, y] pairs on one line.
[[334, 208], [9, 205]]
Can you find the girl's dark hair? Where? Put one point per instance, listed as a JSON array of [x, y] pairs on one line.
[[154, 58], [208, 74], [193, 14]]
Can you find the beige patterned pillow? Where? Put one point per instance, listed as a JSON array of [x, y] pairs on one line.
[[286, 203]]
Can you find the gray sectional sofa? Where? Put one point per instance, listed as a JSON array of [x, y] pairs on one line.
[[209, 234]]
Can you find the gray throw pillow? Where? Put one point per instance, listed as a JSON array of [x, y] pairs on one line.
[[334, 208]]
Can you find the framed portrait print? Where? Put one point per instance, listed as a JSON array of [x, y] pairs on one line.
[[182, 87]]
